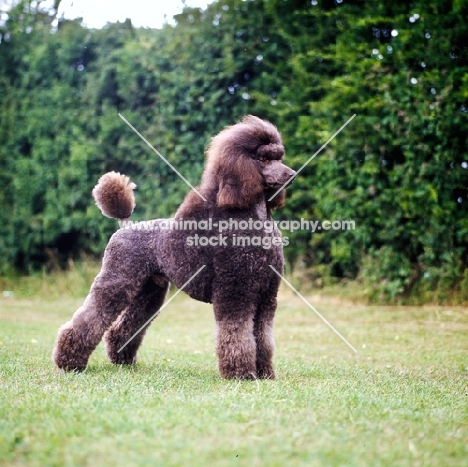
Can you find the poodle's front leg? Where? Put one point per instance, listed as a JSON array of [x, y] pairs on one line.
[[78, 338], [235, 346], [263, 332], [120, 349]]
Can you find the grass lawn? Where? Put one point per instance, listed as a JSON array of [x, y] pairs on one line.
[[401, 401]]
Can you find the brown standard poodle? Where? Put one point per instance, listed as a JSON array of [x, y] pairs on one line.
[[230, 234]]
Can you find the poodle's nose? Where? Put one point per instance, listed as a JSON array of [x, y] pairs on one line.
[[289, 177]]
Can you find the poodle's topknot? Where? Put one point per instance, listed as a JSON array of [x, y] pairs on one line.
[[113, 195], [273, 151]]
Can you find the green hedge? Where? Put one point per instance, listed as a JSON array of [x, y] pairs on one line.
[[399, 169]]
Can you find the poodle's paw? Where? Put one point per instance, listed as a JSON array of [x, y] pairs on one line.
[[122, 358], [266, 372], [68, 353], [119, 351], [238, 375], [237, 372]]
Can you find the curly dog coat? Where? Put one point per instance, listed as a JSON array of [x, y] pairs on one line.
[[242, 172]]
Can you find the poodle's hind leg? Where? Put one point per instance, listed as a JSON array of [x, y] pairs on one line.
[[77, 339], [123, 339]]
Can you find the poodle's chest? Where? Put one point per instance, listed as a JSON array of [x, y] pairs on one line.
[[203, 262]]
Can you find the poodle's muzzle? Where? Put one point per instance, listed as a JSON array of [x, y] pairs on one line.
[[282, 176]]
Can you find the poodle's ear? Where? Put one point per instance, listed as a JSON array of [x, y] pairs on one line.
[[278, 201], [240, 185]]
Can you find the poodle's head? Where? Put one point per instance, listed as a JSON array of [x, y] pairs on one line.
[[244, 165]]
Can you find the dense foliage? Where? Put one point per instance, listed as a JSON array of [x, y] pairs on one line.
[[399, 169]]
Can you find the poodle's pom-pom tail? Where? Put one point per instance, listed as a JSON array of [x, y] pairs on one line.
[[113, 195]]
